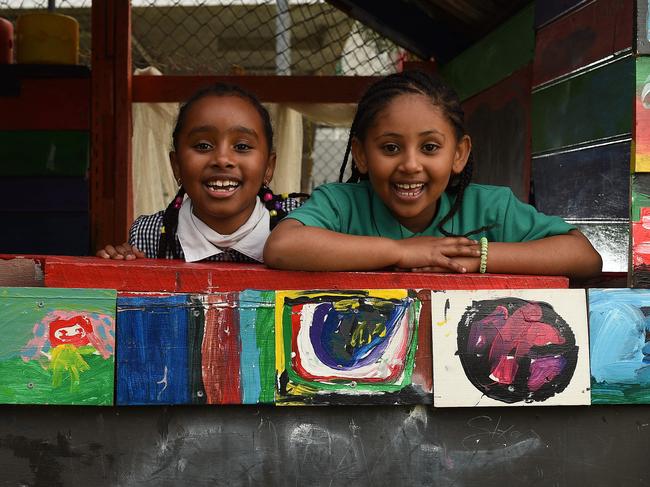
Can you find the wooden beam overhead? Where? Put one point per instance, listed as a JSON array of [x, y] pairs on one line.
[[271, 89]]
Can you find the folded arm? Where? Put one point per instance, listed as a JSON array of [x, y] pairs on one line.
[[569, 255], [293, 245]]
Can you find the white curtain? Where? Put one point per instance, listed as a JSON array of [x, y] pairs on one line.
[[289, 136], [153, 180]]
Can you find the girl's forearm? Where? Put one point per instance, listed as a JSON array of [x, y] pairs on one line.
[[297, 247], [563, 255]]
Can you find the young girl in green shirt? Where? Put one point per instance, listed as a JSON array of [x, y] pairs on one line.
[[409, 204]]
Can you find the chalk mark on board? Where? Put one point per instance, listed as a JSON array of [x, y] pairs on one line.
[[163, 381]]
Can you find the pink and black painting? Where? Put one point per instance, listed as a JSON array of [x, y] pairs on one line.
[[514, 347]]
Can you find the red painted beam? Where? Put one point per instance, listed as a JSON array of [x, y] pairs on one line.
[[275, 89], [582, 37], [176, 276]]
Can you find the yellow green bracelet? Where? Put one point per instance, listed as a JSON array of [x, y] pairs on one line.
[[484, 252]]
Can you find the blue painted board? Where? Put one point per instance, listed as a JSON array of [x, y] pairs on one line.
[[153, 364], [619, 327], [55, 233], [44, 193]]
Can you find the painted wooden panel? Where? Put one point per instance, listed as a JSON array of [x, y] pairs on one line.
[[640, 275], [495, 348], [44, 153], [552, 10], [592, 106], [196, 349], [152, 350], [620, 346], [57, 346], [44, 104], [505, 50], [641, 160], [500, 113], [584, 184], [582, 37], [176, 276], [610, 239], [349, 347], [44, 193], [640, 229], [38, 232], [640, 183], [642, 33]]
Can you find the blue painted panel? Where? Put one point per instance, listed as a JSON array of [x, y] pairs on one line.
[[152, 350], [44, 194], [57, 233]]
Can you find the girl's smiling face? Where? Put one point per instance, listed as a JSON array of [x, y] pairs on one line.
[[409, 153], [222, 158]]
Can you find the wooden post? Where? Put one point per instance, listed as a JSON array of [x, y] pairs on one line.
[[111, 202]]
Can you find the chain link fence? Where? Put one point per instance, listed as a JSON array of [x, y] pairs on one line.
[[298, 37], [247, 37]]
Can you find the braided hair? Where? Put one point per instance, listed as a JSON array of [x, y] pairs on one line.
[[276, 204], [380, 94]]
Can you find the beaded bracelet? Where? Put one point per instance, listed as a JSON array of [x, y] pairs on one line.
[[484, 253]]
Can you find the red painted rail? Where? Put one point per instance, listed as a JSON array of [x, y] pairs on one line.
[[177, 276]]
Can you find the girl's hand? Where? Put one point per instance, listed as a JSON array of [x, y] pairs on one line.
[[439, 254], [121, 252]]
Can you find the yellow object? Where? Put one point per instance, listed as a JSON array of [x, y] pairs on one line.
[[47, 38]]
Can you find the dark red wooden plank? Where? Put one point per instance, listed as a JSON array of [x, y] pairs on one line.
[[110, 167], [502, 112], [123, 210], [176, 276], [47, 104], [587, 35], [276, 89]]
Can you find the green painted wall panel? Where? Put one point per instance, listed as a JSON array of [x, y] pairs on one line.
[[508, 48], [592, 106], [44, 153]]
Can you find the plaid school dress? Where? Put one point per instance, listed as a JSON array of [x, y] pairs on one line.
[[145, 235]]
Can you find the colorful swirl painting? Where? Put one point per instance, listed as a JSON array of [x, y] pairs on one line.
[[57, 346], [347, 347], [519, 347]]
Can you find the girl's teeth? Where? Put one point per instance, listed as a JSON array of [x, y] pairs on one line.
[[222, 185], [409, 189], [409, 185]]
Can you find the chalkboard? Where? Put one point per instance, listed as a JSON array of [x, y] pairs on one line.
[[332, 446]]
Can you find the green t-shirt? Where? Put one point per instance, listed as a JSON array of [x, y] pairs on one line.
[[355, 209]]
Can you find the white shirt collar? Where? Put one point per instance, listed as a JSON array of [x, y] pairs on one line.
[[199, 241]]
